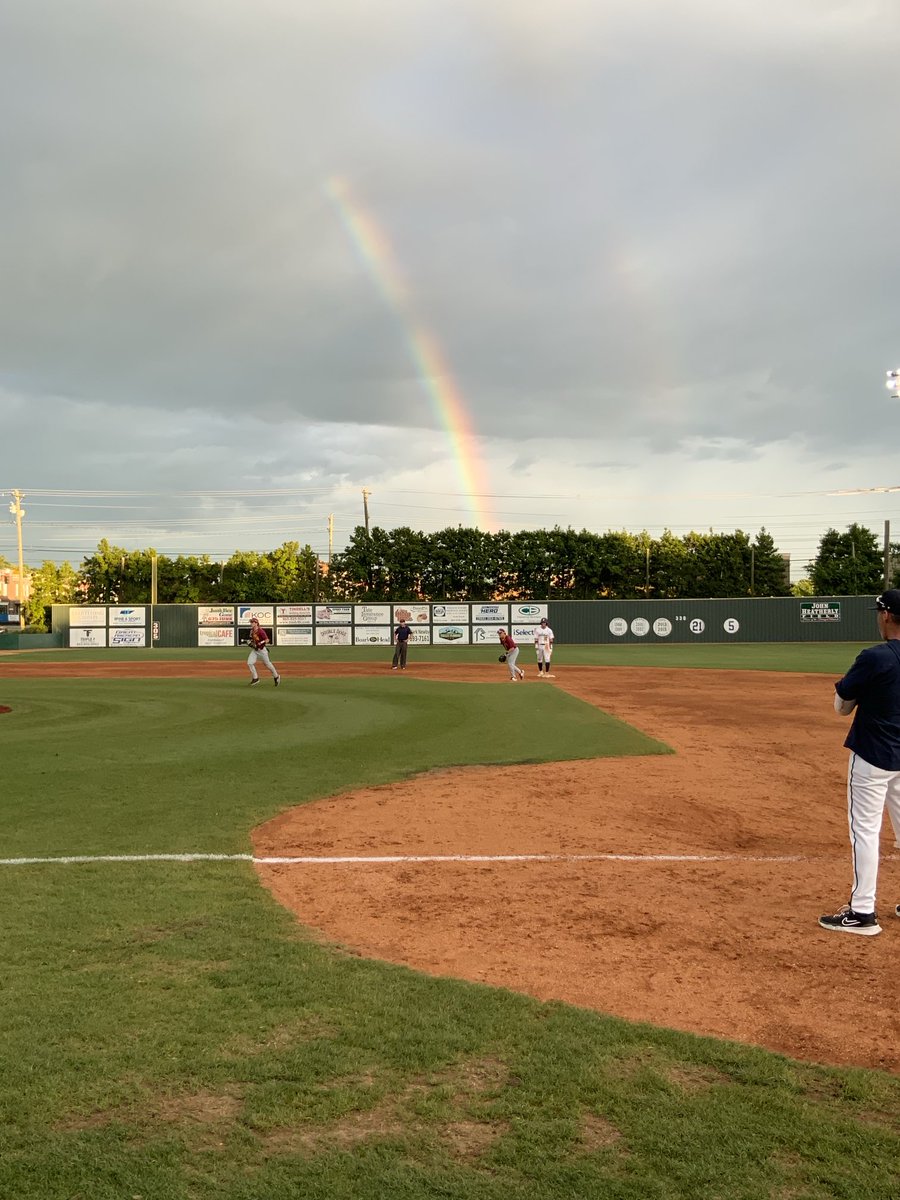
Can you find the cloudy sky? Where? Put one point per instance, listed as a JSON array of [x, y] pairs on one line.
[[631, 264]]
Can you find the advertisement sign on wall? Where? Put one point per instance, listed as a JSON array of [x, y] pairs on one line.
[[295, 635], [528, 614], [263, 613], [94, 615], [414, 614], [492, 614], [215, 636], [128, 637], [220, 614], [452, 614], [336, 636], [87, 637], [128, 616], [373, 614], [373, 635], [523, 634], [451, 635], [293, 614], [420, 635], [334, 614]]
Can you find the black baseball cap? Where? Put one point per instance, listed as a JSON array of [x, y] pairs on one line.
[[889, 601]]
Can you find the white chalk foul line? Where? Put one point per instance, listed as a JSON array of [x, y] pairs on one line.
[[337, 859]]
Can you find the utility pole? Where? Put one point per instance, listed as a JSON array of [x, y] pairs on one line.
[[366, 494], [887, 555], [19, 512], [330, 536]]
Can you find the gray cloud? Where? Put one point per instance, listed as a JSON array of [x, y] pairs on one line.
[[662, 228]]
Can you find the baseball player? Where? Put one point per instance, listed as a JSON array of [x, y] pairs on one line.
[[509, 656], [543, 644], [258, 642], [871, 690]]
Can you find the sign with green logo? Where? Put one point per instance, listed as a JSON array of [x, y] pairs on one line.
[[820, 610]]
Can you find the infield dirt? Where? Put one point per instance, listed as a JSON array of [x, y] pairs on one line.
[[729, 948]]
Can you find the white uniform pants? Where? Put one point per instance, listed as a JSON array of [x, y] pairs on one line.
[[511, 656], [263, 656], [869, 789], [543, 652]]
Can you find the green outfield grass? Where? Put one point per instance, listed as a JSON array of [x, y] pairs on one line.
[[830, 657], [169, 1032]]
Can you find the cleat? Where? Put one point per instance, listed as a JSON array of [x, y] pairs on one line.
[[277, 680], [845, 920], [254, 682]]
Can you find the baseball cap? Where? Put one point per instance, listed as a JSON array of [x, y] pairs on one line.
[[889, 601], [543, 620]]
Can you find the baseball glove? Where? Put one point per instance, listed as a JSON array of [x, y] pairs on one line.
[[501, 658]]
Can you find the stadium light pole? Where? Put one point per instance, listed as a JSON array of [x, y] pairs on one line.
[[19, 512]]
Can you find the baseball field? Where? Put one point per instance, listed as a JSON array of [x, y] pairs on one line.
[[373, 934]]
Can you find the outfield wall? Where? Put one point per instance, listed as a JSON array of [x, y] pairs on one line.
[[578, 622]]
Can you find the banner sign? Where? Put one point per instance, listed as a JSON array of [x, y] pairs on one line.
[[455, 614], [820, 610], [334, 614], [263, 614], [482, 634], [493, 614], [221, 614], [128, 616], [87, 637], [449, 635], [373, 635], [528, 614], [420, 635], [215, 636], [128, 637], [335, 636], [294, 635], [95, 615], [243, 634], [373, 614], [523, 634], [293, 614], [413, 614]]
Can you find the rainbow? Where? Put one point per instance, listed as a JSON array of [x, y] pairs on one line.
[[377, 256]]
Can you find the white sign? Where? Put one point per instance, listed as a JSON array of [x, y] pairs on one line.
[[128, 637], [215, 637], [332, 637], [415, 614], [373, 614], [334, 614], [456, 614], [523, 633], [731, 625], [662, 626], [420, 635], [697, 625], [450, 635], [263, 613], [128, 616], [373, 635], [295, 635], [618, 627], [492, 614], [293, 614], [220, 614], [640, 626], [87, 637], [528, 613], [482, 634], [88, 616]]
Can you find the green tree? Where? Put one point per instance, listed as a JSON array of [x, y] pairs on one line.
[[770, 569], [50, 584], [847, 564]]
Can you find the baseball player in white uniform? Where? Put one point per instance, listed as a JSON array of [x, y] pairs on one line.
[[543, 644]]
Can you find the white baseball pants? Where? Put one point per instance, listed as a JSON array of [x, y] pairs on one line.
[[263, 656], [869, 790], [511, 656]]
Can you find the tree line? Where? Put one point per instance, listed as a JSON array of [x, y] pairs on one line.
[[467, 565]]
